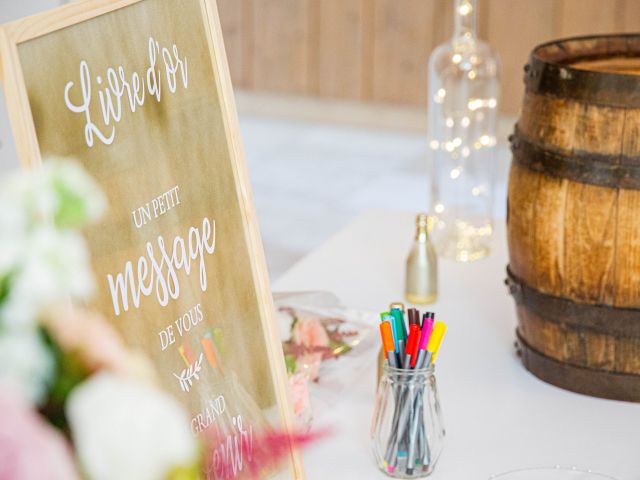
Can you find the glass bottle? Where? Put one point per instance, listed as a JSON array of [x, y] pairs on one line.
[[421, 283], [407, 431], [462, 117]]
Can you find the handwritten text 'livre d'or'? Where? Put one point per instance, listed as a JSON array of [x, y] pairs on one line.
[[116, 86]]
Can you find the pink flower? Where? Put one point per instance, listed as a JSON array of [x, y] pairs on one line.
[[310, 333], [299, 394], [96, 342], [256, 454], [30, 449], [309, 363]]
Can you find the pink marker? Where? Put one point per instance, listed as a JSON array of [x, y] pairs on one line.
[[427, 328]]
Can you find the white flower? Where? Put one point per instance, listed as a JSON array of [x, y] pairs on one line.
[[55, 266], [13, 229], [26, 362], [127, 430], [42, 259], [58, 192], [76, 191], [284, 321], [31, 192]]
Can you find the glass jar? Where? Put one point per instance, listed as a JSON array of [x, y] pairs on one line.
[[407, 431], [462, 121]]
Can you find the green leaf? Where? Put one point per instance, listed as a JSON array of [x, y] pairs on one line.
[[338, 347], [72, 211], [5, 283], [70, 372], [290, 362]]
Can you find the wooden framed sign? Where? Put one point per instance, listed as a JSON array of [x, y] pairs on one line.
[[139, 92]]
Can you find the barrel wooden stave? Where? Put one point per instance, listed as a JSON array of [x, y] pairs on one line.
[[523, 187], [589, 236], [570, 126], [627, 262], [548, 119], [562, 237], [581, 348]]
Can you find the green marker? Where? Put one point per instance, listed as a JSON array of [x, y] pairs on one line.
[[401, 329]]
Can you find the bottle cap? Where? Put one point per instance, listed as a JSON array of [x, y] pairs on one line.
[[422, 220]]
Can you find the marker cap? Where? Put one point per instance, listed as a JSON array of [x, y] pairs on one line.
[[414, 339], [398, 305], [412, 345], [427, 329], [401, 329], [414, 316], [386, 333], [435, 341]]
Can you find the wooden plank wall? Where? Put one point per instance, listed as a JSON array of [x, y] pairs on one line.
[[377, 50]]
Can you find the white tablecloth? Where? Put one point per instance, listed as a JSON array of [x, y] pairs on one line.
[[498, 417]]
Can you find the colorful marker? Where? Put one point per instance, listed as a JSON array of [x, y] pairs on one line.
[[414, 316], [435, 341], [388, 344], [387, 317], [412, 346], [427, 329], [401, 332]]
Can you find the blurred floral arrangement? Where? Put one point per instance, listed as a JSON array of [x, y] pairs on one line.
[[75, 402], [66, 378], [312, 334]]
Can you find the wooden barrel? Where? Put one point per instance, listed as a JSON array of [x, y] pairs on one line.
[[574, 216]]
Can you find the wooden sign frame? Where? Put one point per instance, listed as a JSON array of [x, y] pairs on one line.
[[24, 130]]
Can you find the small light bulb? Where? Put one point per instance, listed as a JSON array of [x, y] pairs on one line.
[[465, 9]]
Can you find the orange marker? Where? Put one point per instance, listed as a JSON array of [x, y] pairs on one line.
[[210, 351], [388, 344], [185, 353]]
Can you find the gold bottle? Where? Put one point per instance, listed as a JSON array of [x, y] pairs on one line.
[[421, 285]]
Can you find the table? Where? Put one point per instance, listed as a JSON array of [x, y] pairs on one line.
[[498, 417]]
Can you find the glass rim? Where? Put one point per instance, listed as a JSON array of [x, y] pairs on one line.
[[408, 372], [556, 468]]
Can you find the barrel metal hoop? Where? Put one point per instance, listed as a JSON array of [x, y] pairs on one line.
[[597, 383], [583, 167], [602, 319], [556, 76]]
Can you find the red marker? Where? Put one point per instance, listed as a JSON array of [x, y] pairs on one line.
[[412, 345]]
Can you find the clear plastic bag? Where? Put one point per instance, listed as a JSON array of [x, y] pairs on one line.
[[328, 344]]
